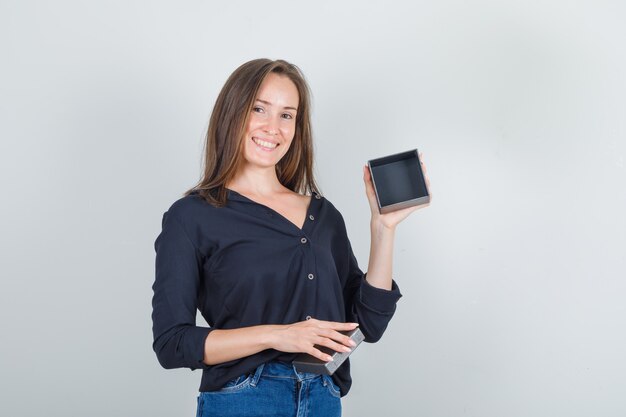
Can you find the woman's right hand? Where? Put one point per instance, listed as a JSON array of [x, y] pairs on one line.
[[303, 335]]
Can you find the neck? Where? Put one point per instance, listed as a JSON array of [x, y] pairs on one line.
[[256, 180]]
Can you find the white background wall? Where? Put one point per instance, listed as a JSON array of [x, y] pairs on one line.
[[513, 280]]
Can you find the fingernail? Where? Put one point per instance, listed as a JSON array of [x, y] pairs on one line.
[[352, 342], [328, 358], [347, 349]]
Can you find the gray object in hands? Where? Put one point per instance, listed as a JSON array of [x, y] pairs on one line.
[[398, 181], [307, 363]]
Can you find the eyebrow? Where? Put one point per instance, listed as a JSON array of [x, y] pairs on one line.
[[269, 104]]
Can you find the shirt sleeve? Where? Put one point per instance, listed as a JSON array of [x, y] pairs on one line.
[[367, 305], [177, 342]]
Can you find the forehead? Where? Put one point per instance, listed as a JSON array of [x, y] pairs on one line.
[[278, 89]]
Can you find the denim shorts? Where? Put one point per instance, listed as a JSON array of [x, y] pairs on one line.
[[274, 389]]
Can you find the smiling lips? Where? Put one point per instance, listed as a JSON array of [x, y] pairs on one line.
[[265, 145]]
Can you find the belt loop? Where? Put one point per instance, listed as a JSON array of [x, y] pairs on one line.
[[257, 375], [299, 375]]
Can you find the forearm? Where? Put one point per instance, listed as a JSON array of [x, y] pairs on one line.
[[226, 345], [383, 228], [379, 270]]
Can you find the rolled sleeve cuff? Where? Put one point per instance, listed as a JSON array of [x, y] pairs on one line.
[[377, 299], [197, 337]]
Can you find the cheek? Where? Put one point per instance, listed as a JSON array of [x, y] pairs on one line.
[[291, 138], [289, 131], [252, 125]]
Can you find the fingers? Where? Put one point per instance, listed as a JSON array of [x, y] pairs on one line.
[[423, 165], [337, 347], [369, 189], [426, 177], [335, 325], [327, 334], [334, 336], [331, 344], [367, 178], [330, 330], [319, 354]]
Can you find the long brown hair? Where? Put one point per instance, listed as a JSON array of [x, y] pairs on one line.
[[224, 139]]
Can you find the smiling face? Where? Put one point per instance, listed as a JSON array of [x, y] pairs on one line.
[[272, 122]]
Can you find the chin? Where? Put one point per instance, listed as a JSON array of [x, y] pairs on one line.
[[261, 163]]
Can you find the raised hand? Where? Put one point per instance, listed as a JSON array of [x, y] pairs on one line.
[[391, 220]]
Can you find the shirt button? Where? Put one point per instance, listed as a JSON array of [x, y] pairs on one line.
[[311, 276], [311, 217], [308, 317], [303, 240]]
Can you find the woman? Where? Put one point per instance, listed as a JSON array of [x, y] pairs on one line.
[[266, 259]]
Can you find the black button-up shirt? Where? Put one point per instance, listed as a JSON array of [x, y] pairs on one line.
[[245, 264]]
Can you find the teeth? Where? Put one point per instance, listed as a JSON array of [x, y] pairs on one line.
[[264, 143]]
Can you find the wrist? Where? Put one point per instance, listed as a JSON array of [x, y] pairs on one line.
[[379, 228], [268, 335]]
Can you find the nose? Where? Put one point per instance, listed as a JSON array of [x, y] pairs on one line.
[[271, 127]]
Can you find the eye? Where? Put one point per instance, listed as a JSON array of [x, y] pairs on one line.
[[257, 109], [287, 116]]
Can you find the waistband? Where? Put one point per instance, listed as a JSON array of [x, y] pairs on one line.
[[275, 369]]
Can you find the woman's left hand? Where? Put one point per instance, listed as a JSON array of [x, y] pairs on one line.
[[391, 220]]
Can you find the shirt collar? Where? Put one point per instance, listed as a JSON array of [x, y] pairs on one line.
[[235, 196]]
